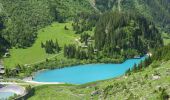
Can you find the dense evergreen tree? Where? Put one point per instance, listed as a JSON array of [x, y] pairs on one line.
[[90, 52], [138, 67], [156, 10], [84, 22], [4, 45], [69, 51], [124, 33], [84, 38], [162, 53], [51, 47]]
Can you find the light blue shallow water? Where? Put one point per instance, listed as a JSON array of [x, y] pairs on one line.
[[5, 95], [86, 73]]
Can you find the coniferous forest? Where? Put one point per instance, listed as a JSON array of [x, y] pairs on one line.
[[21, 20], [126, 33]]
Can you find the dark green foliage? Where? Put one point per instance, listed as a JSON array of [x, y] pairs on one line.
[[66, 28], [69, 51], [143, 64], [163, 93], [3, 43], [104, 5], [156, 10], [84, 22], [24, 17], [162, 53], [127, 34], [84, 38], [81, 54], [63, 10], [51, 47], [106, 90], [91, 52]]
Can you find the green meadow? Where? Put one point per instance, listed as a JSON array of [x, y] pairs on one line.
[[36, 54]]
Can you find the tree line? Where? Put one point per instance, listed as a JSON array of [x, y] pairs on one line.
[[126, 34], [138, 67], [162, 53], [51, 47], [73, 51]]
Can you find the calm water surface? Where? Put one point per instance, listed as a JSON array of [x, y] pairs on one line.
[[86, 73]]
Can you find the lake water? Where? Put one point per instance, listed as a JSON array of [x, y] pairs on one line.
[[5, 95], [86, 73]]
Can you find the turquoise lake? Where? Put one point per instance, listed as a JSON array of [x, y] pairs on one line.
[[86, 73], [5, 95]]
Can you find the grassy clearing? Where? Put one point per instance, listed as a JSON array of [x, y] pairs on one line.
[[37, 54], [134, 87]]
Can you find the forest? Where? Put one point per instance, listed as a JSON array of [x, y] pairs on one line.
[[156, 10], [125, 33], [118, 34]]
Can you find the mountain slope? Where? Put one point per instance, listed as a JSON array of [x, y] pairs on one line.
[[127, 34], [156, 10], [24, 18]]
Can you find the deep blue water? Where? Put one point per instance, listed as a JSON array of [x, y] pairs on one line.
[[86, 73], [5, 95]]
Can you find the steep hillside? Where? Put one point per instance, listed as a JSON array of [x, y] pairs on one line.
[[24, 18], [127, 34], [156, 10]]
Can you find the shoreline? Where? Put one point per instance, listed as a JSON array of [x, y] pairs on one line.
[[31, 78], [44, 83]]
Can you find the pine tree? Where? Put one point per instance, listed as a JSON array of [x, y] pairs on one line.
[[42, 45], [57, 46]]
